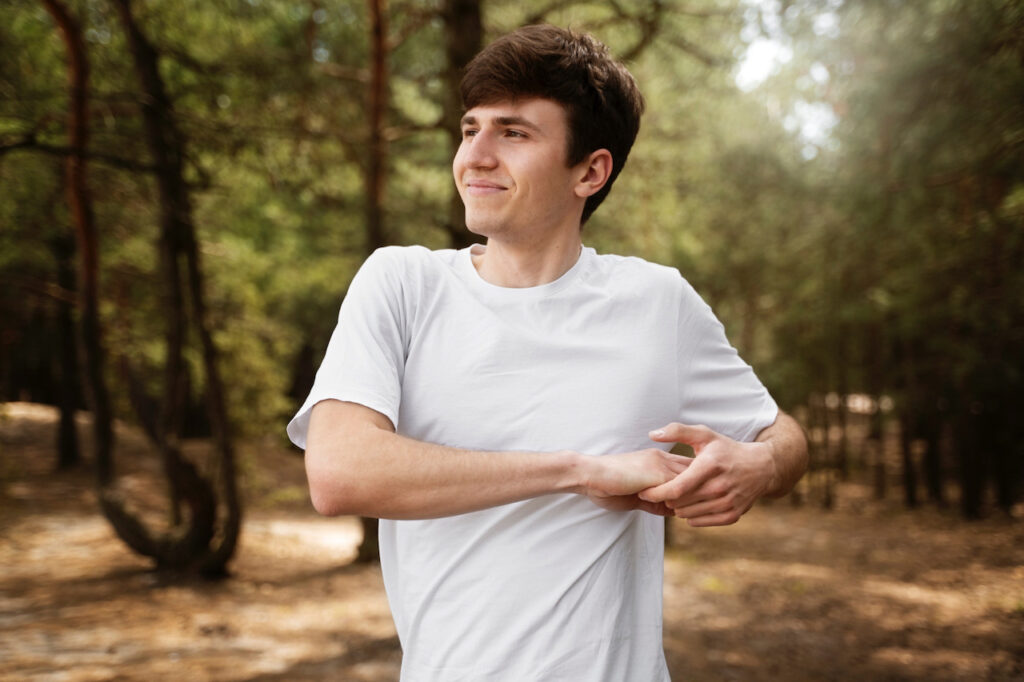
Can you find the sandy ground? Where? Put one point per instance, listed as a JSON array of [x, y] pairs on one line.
[[865, 592]]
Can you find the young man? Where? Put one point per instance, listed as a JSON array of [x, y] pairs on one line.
[[507, 409]]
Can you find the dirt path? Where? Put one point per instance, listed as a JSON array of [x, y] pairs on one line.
[[786, 594]]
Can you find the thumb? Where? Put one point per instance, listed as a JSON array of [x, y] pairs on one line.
[[694, 436]]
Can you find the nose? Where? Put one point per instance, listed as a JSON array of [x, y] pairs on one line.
[[478, 151]]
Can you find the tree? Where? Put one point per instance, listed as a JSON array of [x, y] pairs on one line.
[[203, 545], [80, 201], [927, 184]]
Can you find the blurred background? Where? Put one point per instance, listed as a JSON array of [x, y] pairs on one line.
[[187, 188]]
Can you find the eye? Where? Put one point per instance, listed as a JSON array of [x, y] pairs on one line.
[[468, 132], [514, 133]]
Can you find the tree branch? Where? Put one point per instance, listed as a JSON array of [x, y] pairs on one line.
[[697, 52], [31, 144]]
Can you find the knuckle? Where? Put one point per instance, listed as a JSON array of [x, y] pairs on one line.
[[717, 489]]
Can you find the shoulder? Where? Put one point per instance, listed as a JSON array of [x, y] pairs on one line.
[[407, 264], [651, 282], [635, 272], [391, 256]]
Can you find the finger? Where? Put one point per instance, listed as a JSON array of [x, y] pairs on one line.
[[710, 491], [694, 436], [688, 481], [723, 519], [656, 508], [720, 505], [676, 467], [681, 459]]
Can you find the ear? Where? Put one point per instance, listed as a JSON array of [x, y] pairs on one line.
[[594, 173]]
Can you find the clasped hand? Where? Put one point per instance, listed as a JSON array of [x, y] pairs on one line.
[[714, 488]]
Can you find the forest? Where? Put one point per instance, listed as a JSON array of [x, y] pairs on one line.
[[187, 189]]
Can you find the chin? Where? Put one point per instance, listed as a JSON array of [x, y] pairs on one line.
[[482, 226]]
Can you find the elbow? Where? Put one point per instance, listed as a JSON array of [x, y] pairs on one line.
[[337, 500], [331, 491], [325, 503]]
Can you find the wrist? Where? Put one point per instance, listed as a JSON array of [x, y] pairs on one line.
[[578, 471], [771, 468]]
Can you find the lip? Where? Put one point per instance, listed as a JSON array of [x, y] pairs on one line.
[[483, 187]]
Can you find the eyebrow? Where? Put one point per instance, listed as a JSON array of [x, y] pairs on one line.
[[504, 121]]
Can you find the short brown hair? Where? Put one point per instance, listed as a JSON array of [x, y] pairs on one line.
[[601, 99]]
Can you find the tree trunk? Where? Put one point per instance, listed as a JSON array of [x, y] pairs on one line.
[[910, 420], [970, 453], [463, 38], [210, 538], [369, 548], [80, 201], [908, 427], [817, 427], [933, 474], [68, 454], [876, 431], [376, 235], [843, 387]]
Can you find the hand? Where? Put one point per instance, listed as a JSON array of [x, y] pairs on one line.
[[721, 483], [613, 481]]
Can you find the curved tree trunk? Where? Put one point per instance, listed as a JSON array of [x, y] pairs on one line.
[[210, 539]]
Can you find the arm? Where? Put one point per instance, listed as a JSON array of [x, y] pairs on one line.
[[727, 476], [357, 464]]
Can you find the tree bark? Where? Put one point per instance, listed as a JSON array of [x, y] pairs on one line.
[[908, 428], [933, 473], [375, 176], [463, 38], [210, 538], [376, 235], [971, 455], [68, 454], [80, 202]]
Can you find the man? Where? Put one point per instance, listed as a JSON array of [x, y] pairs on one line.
[[507, 409]]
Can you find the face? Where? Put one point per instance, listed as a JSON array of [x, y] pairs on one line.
[[511, 170]]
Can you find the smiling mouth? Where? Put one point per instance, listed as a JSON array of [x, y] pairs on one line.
[[483, 187]]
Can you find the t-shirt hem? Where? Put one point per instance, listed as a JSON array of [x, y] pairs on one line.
[[298, 427], [766, 416]]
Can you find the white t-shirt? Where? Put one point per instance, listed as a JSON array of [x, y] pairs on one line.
[[551, 588]]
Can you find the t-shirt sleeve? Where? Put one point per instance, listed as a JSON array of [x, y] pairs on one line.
[[717, 388], [365, 358]]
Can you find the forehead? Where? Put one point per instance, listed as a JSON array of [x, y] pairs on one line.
[[545, 114]]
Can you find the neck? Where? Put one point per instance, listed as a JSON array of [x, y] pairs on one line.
[[528, 264]]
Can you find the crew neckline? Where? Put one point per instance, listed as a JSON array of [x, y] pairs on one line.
[[473, 278]]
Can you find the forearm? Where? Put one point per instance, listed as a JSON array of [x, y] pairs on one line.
[[360, 466], [400, 478], [356, 464], [788, 448]]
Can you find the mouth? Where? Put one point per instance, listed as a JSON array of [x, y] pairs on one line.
[[483, 187]]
